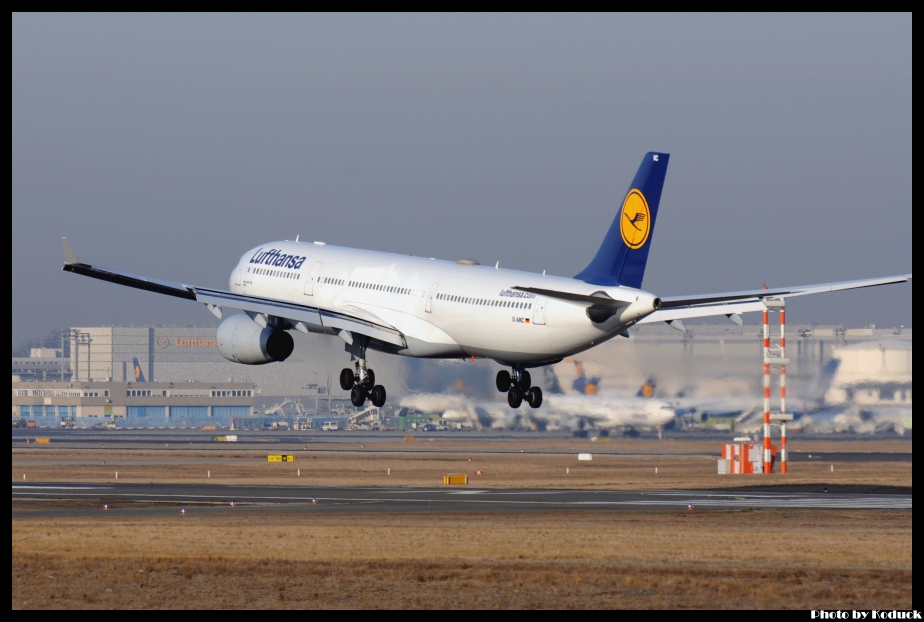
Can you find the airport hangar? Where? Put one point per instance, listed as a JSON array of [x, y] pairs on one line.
[[187, 382], [132, 405]]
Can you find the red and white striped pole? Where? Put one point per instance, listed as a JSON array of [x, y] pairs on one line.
[[767, 464], [783, 391]]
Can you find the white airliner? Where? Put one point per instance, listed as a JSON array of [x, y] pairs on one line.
[[559, 412], [432, 308]]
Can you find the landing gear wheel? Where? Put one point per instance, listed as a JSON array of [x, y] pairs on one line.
[[503, 381], [514, 397], [347, 379], [534, 397], [369, 381], [378, 396], [358, 396], [524, 381]]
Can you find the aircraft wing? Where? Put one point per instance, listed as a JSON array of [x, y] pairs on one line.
[[708, 310], [675, 309], [352, 319], [672, 302]]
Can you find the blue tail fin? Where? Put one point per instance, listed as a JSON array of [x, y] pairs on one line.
[[622, 256], [139, 375]]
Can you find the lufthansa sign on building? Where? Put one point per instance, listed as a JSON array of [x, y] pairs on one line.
[[194, 342]]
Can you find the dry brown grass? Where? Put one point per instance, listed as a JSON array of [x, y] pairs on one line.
[[624, 559], [691, 464], [772, 559]]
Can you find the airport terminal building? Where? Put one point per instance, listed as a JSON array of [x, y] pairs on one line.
[[131, 404], [190, 384], [178, 354]]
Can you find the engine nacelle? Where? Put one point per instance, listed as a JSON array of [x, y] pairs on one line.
[[242, 340]]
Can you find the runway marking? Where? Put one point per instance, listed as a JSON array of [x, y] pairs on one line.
[[496, 498]]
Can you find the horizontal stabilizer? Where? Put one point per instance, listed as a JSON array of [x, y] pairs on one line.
[[599, 298]]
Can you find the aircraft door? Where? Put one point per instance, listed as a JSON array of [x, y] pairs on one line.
[[539, 310], [312, 277], [429, 306], [237, 276]]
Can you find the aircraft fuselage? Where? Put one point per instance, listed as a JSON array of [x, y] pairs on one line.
[[444, 309]]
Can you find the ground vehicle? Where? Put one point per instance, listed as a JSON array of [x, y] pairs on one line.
[[330, 426]]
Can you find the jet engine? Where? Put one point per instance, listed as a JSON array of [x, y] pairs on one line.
[[242, 340]]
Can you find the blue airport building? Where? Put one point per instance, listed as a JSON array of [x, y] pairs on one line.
[[131, 405]]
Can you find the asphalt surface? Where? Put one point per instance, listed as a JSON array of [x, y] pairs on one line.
[[337, 441], [32, 500]]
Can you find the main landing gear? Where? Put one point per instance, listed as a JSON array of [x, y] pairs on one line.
[[516, 386], [361, 385]]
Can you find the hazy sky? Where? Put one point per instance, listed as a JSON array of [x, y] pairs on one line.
[[167, 145]]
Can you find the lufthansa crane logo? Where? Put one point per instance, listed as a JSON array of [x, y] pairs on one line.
[[635, 221]]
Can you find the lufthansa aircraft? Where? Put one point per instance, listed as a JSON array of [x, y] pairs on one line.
[[431, 308]]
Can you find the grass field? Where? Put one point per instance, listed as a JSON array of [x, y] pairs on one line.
[[712, 559], [797, 559]]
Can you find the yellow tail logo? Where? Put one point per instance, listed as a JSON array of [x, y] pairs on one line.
[[635, 222]]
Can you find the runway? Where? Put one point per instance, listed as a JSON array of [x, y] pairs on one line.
[[160, 499], [377, 442]]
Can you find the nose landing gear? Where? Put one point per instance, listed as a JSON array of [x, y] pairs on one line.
[[361, 385], [516, 385]]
